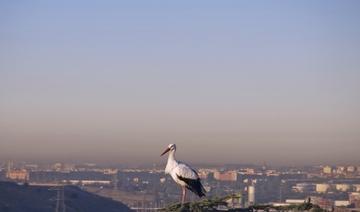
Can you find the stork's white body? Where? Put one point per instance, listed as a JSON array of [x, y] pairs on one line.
[[183, 174], [175, 168]]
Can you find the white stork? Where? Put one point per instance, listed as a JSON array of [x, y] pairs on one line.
[[183, 174]]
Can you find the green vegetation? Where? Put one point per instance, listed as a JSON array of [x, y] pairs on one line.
[[202, 205], [295, 207], [216, 203]]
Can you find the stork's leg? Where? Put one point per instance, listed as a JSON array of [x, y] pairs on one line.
[[183, 195], [182, 191]]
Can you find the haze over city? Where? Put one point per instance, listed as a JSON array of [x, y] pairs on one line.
[[228, 82]]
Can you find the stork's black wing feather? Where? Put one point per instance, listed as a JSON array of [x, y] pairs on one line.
[[193, 185]]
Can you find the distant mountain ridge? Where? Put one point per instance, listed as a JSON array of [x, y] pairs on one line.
[[25, 198]]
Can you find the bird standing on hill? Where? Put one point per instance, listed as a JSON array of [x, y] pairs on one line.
[[183, 174]]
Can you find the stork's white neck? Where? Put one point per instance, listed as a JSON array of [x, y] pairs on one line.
[[171, 155], [171, 162]]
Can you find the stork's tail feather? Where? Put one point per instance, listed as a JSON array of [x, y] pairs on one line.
[[201, 191], [197, 188], [194, 185]]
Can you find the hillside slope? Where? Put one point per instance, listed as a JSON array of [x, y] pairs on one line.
[[20, 198]]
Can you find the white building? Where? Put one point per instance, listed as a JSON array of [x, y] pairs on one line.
[[303, 187], [251, 195], [327, 170], [340, 203], [342, 187], [294, 201], [322, 188], [351, 169]]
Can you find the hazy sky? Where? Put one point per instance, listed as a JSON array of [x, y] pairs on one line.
[[227, 81]]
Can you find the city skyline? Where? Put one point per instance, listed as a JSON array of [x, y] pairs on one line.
[[228, 82]]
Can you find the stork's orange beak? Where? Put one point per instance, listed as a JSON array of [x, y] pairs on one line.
[[166, 150]]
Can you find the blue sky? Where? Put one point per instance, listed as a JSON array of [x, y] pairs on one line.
[[251, 81]]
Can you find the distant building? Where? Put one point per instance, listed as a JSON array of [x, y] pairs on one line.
[[110, 171], [18, 175], [203, 174], [341, 203], [322, 202], [32, 167], [354, 198], [57, 166], [67, 167], [327, 170], [322, 188], [271, 172], [356, 187], [294, 201], [340, 169], [87, 182], [303, 187], [234, 201], [247, 171], [251, 195], [225, 176], [350, 169], [62, 167], [280, 204], [342, 187]]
